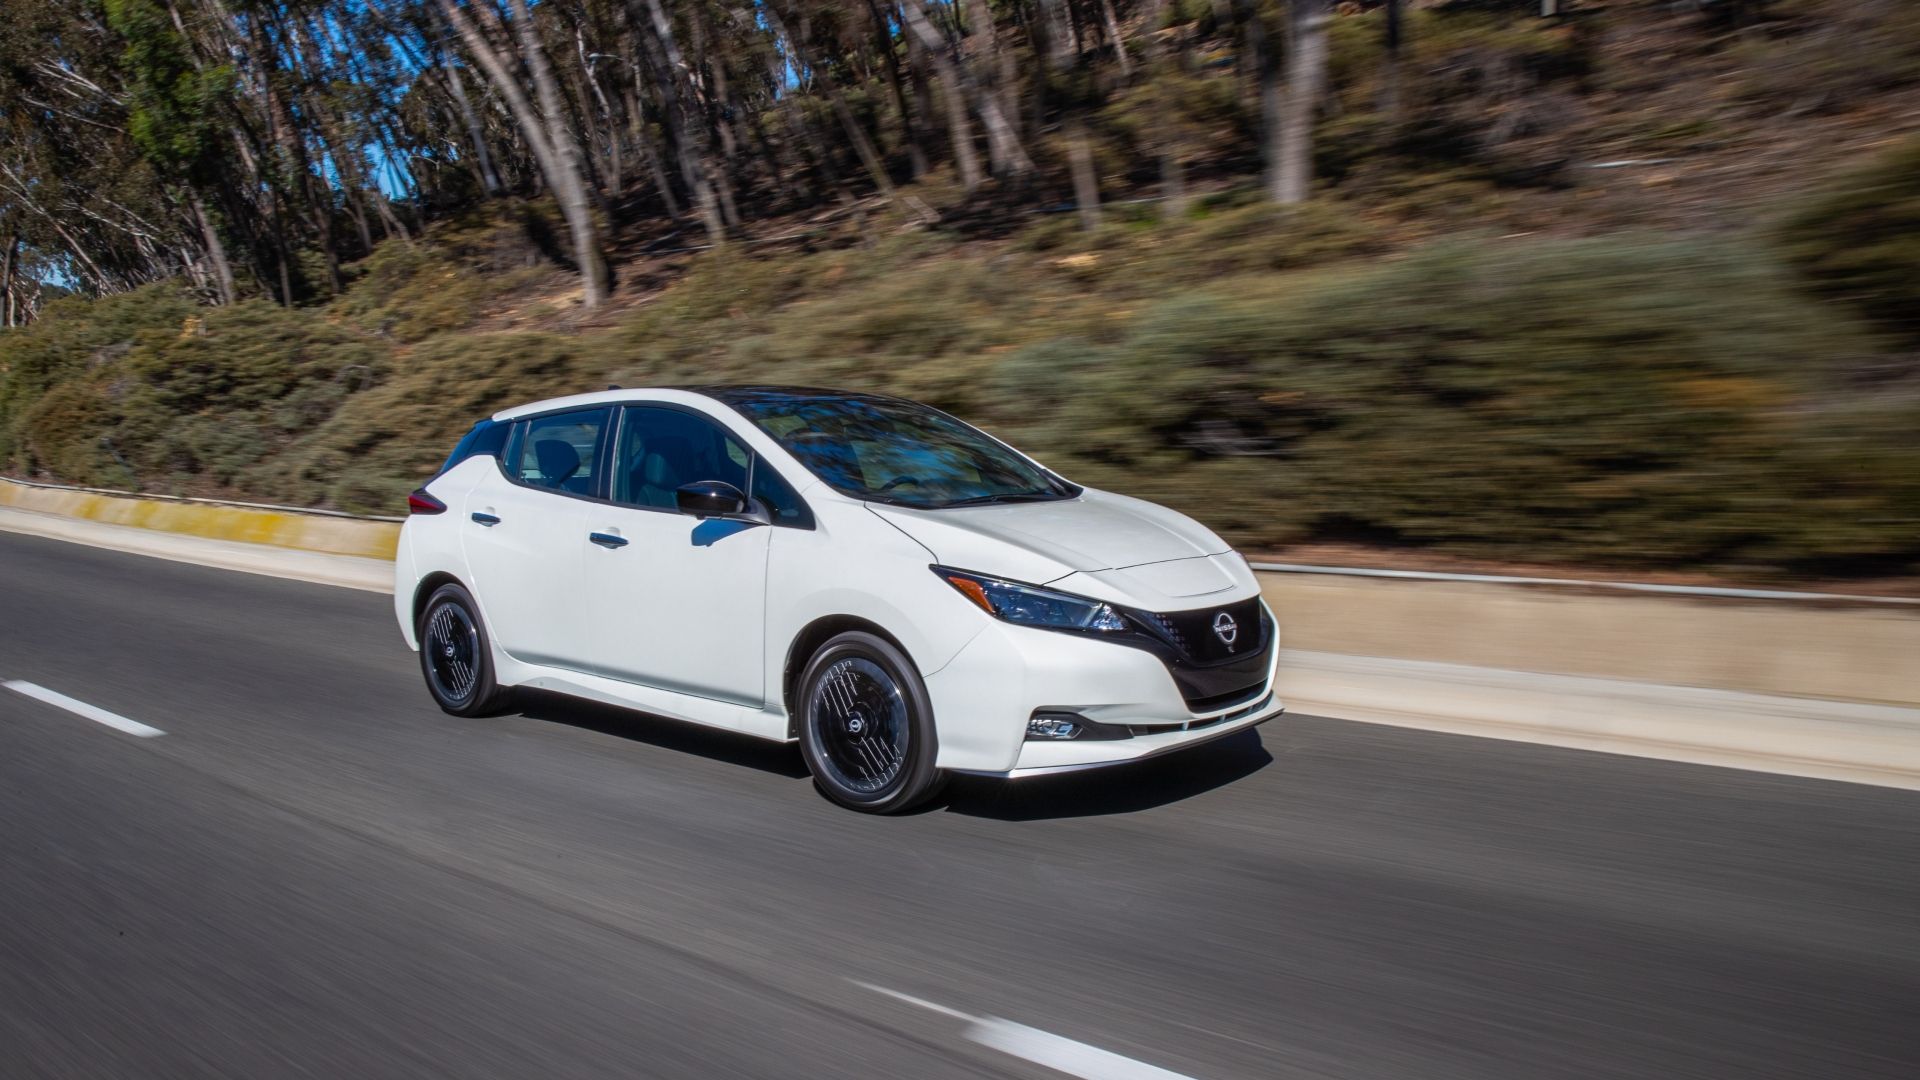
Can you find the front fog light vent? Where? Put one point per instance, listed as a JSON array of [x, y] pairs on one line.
[[1053, 727]]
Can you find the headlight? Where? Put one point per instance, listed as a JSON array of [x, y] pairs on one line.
[[1030, 605]]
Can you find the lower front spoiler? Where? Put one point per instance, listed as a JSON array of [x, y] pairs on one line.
[[1191, 740]]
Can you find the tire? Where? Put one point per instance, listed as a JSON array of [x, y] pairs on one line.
[[866, 726], [456, 656]]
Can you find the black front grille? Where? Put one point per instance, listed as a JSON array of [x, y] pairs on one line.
[[1211, 671], [1230, 698], [1215, 635]]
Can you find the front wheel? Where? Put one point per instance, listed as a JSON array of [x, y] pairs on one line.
[[866, 727], [454, 655]]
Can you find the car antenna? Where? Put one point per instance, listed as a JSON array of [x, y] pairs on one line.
[[613, 386]]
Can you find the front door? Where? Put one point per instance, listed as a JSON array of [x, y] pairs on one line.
[[678, 603], [526, 536]]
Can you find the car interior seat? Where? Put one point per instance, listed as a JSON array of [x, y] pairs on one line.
[[660, 471], [559, 461]]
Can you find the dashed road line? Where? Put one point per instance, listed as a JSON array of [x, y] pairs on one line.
[[81, 708], [1056, 1052]]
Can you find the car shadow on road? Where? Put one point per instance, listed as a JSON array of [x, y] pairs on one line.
[[677, 735], [1121, 789]]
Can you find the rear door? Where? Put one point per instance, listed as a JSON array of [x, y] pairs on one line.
[[679, 604], [525, 535]]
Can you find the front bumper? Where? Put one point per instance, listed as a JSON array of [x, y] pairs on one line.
[[983, 698]]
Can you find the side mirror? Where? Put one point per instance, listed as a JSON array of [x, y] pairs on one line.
[[710, 498]]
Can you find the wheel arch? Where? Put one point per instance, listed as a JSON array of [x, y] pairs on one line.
[[809, 640], [427, 587]]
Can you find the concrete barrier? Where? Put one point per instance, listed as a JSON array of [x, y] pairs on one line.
[[1796, 736], [301, 530], [1816, 649]]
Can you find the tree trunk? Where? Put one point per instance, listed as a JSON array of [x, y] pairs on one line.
[[1173, 185], [1086, 185], [643, 141], [965, 159], [1040, 42], [216, 251], [1113, 35], [1390, 77], [1263, 64], [7, 256], [1306, 72], [909, 130], [558, 165], [1001, 84], [569, 184], [917, 68], [1001, 140], [694, 166], [476, 135]]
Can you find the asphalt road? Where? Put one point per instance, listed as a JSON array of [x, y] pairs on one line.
[[314, 872]]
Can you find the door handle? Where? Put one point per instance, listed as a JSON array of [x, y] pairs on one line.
[[608, 540], [488, 520]]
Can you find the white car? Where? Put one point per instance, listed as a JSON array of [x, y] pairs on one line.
[[901, 593]]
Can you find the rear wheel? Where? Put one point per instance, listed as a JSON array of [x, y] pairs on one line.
[[866, 725], [454, 654]]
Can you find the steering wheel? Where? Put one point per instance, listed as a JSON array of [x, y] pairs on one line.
[[899, 480]]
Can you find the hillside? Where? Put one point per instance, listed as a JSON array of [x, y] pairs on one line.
[[1630, 289]]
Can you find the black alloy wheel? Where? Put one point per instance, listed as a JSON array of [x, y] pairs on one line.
[[454, 655], [866, 726]]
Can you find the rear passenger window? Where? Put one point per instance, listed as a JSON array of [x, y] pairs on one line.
[[560, 451]]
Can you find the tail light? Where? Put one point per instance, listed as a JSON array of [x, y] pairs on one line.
[[419, 502]]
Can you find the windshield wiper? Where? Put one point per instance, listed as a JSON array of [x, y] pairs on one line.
[[1008, 497]]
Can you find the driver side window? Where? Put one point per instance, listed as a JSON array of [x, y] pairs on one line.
[[662, 449]]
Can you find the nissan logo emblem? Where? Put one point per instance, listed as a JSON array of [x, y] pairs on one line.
[[1225, 629]]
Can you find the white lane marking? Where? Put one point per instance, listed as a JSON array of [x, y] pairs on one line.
[[1061, 1053], [1055, 1052], [81, 708], [911, 1000]]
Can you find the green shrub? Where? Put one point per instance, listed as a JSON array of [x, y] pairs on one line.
[[1859, 244], [381, 443], [1626, 400], [72, 337], [211, 403], [63, 433]]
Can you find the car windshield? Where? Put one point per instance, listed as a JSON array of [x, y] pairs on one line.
[[896, 451]]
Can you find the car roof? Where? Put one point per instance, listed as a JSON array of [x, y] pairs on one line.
[[726, 393]]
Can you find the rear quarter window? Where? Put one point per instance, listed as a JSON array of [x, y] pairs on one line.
[[484, 438]]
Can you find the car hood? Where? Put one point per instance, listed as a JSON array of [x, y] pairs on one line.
[[1045, 541]]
